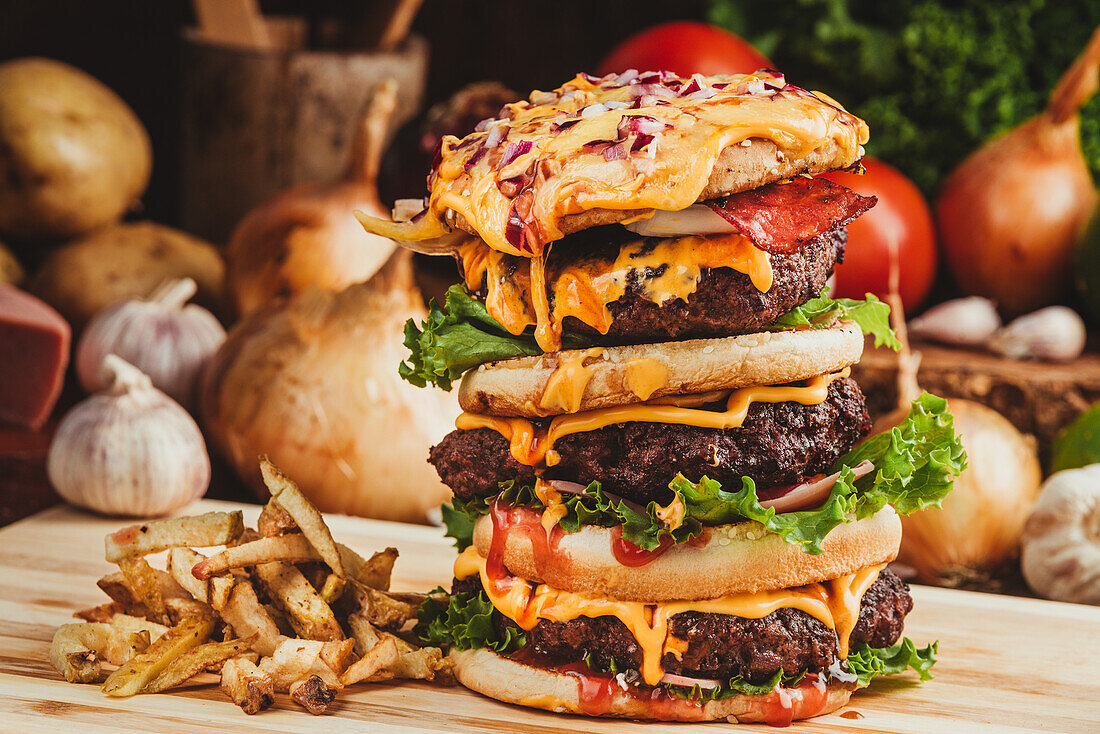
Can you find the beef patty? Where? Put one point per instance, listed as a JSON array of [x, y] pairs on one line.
[[721, 645], [725, 302], [779, 444]]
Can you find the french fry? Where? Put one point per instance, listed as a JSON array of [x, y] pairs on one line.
[[274, 520], [196, 660], [136, 673], [144, 584], [382, 655], [308, 613], [246, 685], [180, 610], [286, 548], [78, 649], [313, 694], [380, 608], [180, 563], [200, 531], [101, 613], [128, 623], [364, 633], [421, 663], [244, 613], [375, 572], [337, 655], [220, 588], [295, 660], [285, 494]]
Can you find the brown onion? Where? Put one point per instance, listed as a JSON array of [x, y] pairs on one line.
[[1012, 211], [308, 236]]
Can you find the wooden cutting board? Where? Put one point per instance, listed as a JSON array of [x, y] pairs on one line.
[[1006, 663]]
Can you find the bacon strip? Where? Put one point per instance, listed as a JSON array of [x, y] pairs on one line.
[[782, 218]]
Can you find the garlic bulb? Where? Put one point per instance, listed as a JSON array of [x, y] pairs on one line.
[[129, 450], [964, 322], [167, 340], [1061, 544], [1054, 334]]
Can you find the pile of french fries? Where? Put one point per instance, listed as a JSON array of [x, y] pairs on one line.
[[283, 608]]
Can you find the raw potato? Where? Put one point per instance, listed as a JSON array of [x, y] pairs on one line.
[[74, 156], [10, 269], [126, 261]]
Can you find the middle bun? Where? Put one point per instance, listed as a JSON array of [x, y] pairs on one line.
[[740, 558]]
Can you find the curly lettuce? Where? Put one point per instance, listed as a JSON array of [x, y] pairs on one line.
[[915, 466], [464, 622], [867, 663], [462, 335]]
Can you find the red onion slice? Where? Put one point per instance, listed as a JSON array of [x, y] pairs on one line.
[[498, 131], [697, 219], [513, 151], [812, 494], [683, 680]]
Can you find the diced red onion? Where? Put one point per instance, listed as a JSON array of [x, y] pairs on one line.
[[472, 160], [542, 98], [484, 124], [812, 494], [690, 88], [641, 124], [514, 229], [615, 104], [640, 142], [557, 127], [593, 109], [644, 100], [497, 133], [701, 94], [589, 78], [514, 151], [616, 152], [627, 77], [688, 682], [720, 85]]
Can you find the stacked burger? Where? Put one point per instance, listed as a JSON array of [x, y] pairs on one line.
[[664, 502]]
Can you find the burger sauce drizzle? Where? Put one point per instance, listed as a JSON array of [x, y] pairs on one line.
[[508, 519], [784, 705]]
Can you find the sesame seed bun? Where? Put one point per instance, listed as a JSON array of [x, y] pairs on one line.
[[515, 387], [734, 559], [506, 680]]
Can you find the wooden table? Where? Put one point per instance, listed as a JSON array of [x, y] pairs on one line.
[[1006, 663]]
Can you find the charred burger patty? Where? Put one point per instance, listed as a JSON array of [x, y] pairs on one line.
[[779, 444], [721, 645]]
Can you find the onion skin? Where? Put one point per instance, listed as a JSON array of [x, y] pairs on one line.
[[1010, 214], [313, 384], [974, 539], [308, 236]]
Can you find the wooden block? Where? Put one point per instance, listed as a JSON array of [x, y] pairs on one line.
[[1037, 397]]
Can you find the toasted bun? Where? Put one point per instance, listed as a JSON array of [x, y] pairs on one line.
[[738, 168], [514, 387], [513, 682], [735, 559]]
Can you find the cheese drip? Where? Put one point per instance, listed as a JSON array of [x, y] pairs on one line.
[[563, 175], [834, 603], [660, 271], [533, 445]]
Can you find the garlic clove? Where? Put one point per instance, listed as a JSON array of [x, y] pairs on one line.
[[128, 450], [1054, 334], [964, 322], [1061, 542]]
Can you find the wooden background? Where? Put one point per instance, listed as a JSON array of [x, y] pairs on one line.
[[1006, 664]]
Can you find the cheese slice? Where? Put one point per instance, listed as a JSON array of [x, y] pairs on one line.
[[533, 445], [545, 159], [834, 603]]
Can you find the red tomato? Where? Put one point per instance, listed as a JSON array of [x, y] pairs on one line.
[[685, 47], [901, 216]]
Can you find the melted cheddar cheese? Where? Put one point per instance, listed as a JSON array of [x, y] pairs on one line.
[[834, 603], [545, 159], [534, 445], [518, 294]]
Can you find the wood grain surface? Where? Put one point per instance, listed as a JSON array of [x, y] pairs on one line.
[[1006, 664]]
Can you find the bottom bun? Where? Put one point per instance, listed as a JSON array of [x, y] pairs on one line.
[[507, 680]]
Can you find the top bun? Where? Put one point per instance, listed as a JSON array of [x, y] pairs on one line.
[[598, 151]]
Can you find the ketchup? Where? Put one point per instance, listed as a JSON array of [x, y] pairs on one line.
[[784, 705], [628, 554], [596, 692], [508, 519]]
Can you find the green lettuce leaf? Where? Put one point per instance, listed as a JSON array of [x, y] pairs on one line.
[[915, 466], [868, 662], [871, 315], [459, 525], [464, 623], [462, 334]]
